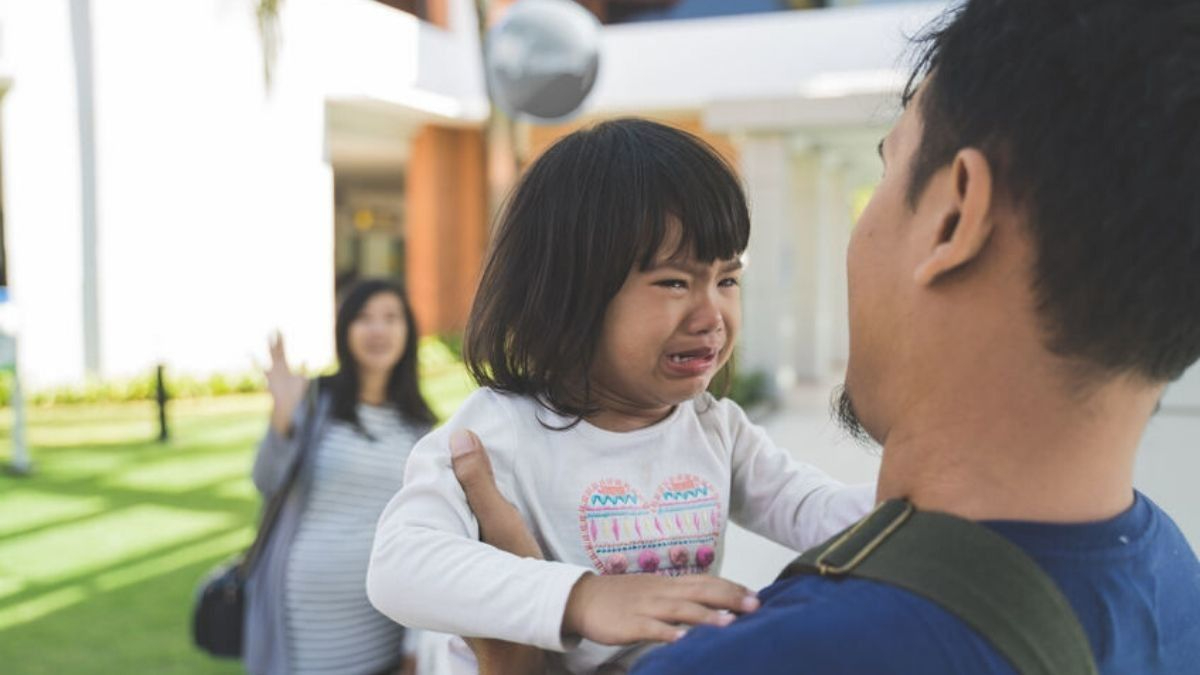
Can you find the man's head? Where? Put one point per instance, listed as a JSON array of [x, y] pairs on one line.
[[1043, 183]]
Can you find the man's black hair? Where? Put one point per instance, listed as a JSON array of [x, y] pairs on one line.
[[1089, 112]]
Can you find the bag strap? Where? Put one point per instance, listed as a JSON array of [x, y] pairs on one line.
[[275, 504], [971, 572]]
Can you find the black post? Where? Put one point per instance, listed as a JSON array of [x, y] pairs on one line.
[[161, 397]]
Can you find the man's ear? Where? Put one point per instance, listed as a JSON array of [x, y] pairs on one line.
[[966, 223]]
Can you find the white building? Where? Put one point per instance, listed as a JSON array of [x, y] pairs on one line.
[[160, 205]]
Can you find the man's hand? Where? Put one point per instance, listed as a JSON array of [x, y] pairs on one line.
[[500, 525]]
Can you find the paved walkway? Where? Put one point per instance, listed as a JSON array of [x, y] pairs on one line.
[[1168, 470]]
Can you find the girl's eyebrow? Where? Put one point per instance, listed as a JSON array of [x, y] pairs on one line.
[[694, 268]]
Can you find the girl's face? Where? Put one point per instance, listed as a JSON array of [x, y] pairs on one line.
[[666, 334], [378, 336]]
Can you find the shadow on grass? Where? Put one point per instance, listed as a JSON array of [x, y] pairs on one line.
[[139, 628], [120, 602], [98, 604]]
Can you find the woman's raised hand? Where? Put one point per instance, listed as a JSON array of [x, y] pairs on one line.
[[287, 388]]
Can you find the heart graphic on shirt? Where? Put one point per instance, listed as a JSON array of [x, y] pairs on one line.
[[675, 533]]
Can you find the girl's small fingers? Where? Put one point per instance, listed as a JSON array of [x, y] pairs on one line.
[[693, 614], [718, 593], [646, 629]]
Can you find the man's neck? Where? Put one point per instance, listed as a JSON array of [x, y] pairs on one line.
[[1007, 453]]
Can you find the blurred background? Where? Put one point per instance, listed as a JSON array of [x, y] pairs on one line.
[[177, 179]]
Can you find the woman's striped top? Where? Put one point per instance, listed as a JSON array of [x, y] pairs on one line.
[[332, 628]]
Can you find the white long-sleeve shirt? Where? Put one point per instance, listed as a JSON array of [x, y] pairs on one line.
[[655, 500]]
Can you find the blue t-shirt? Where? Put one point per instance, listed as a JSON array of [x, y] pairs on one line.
[[1133, 581]]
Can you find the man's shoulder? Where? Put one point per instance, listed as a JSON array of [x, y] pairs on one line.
[[812, 624]]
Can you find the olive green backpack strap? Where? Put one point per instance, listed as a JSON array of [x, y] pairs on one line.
[[968, 570]]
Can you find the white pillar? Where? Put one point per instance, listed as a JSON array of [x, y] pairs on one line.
[[767, 327], [795, 274], [808, 242], [841, 223], [817, 272]]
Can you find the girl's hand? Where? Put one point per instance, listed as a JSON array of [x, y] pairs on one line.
[[623, 609], [287, 388]]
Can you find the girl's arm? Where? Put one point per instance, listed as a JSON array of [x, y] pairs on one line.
[[428, 568], [786, 500]]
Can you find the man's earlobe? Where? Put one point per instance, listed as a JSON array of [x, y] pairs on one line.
[[966, 224]]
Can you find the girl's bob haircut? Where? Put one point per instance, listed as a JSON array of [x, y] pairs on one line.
[[596, 203]]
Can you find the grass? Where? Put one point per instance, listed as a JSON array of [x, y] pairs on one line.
[[102, 546]]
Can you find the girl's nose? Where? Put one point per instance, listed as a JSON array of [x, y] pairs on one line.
[[706, 316]]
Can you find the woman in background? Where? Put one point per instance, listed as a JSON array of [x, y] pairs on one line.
[[307, 609]]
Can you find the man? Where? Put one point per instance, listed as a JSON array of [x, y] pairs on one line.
[[1023, 285]]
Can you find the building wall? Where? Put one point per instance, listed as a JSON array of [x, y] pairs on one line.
[[213, 196], [215, 199], [688, 65], [39, 137]]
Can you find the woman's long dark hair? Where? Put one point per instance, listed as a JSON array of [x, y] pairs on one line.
[[403, 389]]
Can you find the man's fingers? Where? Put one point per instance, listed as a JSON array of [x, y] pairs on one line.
[[472, 468], [496, 657], [500, 523]]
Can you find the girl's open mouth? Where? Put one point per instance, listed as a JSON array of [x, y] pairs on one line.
[[692, 362]]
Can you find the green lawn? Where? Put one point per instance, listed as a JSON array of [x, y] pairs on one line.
[[102, 546]]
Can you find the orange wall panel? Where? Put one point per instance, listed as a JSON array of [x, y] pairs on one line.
[[446, 226], [541, 137]]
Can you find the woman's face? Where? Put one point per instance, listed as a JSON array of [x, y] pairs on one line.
[[378, 336]]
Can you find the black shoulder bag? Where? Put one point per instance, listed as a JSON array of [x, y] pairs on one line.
[[220, 608], [968, 570]]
